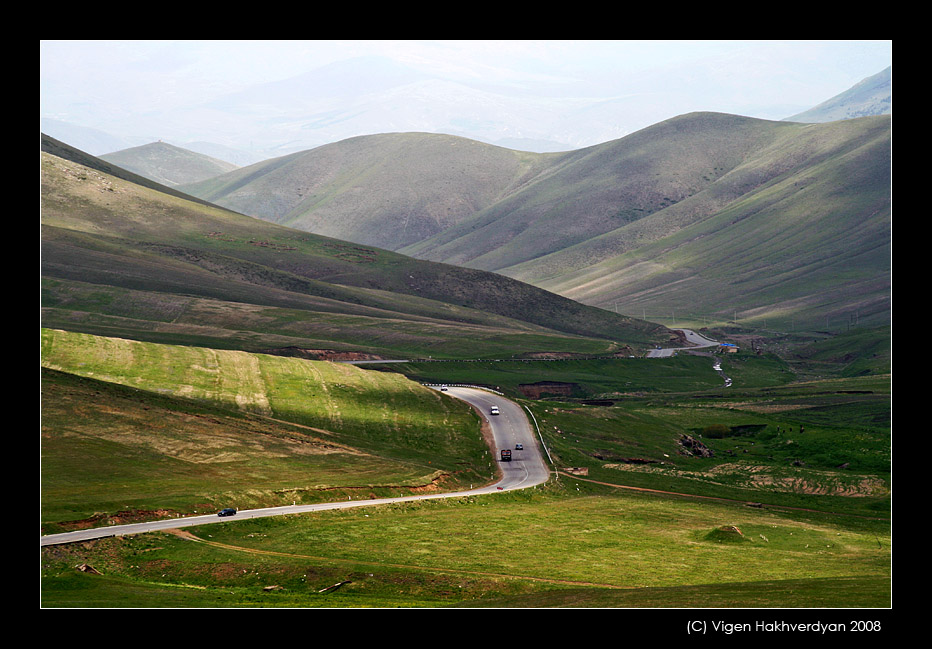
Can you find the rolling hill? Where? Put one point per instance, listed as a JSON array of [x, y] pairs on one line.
[[167, 164], [125, 257], [389, 191], [157, 427], [618, 224], [798, 235]]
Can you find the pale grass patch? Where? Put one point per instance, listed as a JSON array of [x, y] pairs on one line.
[[780, 479]]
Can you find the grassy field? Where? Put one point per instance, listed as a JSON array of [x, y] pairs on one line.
[[829, 453], [822, 444], [134, 430], [598, 378], [553, 547]]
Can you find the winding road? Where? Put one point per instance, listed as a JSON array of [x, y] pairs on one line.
[[509, 428], [696, 341]]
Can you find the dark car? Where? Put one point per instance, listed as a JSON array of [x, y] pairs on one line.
[[229, 511]]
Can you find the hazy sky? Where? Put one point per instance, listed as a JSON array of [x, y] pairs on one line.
[[127, 85]]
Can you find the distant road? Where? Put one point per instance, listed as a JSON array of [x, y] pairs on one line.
[[508, 428], [696, 340], [691, 337]]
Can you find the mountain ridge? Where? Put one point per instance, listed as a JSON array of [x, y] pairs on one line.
[[175, 268], [543, 216]]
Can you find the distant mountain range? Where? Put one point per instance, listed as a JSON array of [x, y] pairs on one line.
[[168, 164], [786, 223], [97, 142], [373, 95]]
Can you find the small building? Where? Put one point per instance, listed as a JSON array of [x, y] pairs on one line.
[[728, 348]]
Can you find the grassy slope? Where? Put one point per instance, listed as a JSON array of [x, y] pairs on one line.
[[189, 421], [801, 245], [118, 256], [387, 191], [593, 191], [699, 164], [130, 425], [696, 212], [628, 550]]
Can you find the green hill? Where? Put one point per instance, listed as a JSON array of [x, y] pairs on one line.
[[126, 257], [145, 427], [389, 190], [796, 237], [136, 430]]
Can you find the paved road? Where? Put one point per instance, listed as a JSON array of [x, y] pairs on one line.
[[508, 428], [696, 341], [527, 467]]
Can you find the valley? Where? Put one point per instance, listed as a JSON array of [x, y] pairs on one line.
[[200, 353], [623, 488]]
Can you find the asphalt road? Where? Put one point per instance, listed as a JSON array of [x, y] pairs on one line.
[[696, 341], [526, 469]]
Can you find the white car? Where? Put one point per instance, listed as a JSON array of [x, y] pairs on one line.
[[494, 410]]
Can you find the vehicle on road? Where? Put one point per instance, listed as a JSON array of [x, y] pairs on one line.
[[443, 388], [506, 455], [494, 410], [519, 447], [229, 511]]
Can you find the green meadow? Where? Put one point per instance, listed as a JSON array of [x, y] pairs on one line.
[[629, 520], [597, 377], [555, 547], [140, 427]]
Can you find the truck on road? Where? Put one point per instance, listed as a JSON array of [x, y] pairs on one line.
[[506, 455]]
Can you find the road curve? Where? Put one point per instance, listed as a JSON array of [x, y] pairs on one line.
[[508, 428], [696, 341]]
